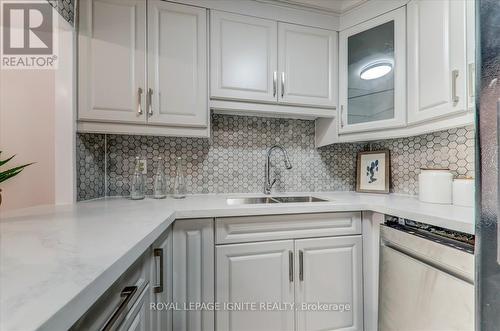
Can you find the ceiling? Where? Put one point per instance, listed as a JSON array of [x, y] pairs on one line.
[[332, 6]]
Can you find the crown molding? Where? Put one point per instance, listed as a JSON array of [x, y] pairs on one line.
[[295, 4]]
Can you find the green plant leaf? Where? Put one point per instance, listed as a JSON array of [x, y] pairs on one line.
[[6, 176], [9, 173], [5, 161]]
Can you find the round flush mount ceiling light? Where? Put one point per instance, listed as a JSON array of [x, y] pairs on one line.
[[375, 70]]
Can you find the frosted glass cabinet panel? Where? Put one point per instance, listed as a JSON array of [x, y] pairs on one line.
[[370, 84], [372, 80]]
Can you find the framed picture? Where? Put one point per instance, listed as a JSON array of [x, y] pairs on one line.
[[373, 173]]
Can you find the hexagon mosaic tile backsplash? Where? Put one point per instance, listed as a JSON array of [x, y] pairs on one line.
[[66, 8], [233, 160]]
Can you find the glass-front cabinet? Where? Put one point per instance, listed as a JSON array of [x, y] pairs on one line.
[[373, 74]]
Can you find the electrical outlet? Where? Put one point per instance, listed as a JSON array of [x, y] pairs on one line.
[[143, 166]]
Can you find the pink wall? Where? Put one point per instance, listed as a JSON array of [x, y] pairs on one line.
[[37, 124], [27, 129]]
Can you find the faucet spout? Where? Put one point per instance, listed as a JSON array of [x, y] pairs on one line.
[[268, 185]]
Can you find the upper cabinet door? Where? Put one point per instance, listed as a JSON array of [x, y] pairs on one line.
[[112, 47], [243, 62], [372, 79], [329, 271], [470, 11], [436, 59], [177, 66], [307, 65]]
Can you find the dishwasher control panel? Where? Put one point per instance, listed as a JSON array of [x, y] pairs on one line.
[[455, 239]]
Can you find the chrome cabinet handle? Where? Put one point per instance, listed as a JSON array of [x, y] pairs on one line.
[[301, 265], [158, 253], [342, 116], [126, 295], [150, 102], [454, 96], [290, 266], [282, 84], [472, 74], [275, 83], [139, 101]]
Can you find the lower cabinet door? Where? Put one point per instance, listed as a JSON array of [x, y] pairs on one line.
[[161, 282], [328, 290], [193, 274], [257, 273]]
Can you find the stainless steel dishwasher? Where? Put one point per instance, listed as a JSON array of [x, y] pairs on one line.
[[426, 280]]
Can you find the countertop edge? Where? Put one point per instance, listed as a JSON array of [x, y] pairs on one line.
[[65, 317]]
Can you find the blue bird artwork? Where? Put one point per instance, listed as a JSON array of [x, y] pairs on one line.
[[372, 171]]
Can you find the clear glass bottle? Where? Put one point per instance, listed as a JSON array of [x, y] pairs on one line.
[[180, 181], [160, 181], [137, 182]]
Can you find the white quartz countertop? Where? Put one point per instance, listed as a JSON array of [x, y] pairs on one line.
[[56, 261]]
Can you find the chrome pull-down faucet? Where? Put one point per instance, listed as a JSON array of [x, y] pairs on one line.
[[268, 185]]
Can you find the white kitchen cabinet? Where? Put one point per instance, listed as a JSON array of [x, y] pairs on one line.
[[112, 57], [255, 273], [437, 70], [161, 281], [177, 66], [307, 65], [329, 270], [439, 83], [114, 96], [372, 74], [299, 271], [263, 62], [193, 273], [471, 53], [243, 57]]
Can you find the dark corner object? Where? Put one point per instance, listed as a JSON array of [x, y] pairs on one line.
[[487, 156]]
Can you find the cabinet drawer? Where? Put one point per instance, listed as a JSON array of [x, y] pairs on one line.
[[120, 301], [273, 227]]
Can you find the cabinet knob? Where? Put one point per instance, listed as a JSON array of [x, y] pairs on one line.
[[158, 253], [150, 102], [472, 74], [282, 84], [275, 83], [454, 96], [139, 101], [342, 116], [301, 265]]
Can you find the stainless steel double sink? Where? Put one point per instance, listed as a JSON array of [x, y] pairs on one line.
[[267, 200]]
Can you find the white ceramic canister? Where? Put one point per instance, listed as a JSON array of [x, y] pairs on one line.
[[435, 185], [463, 192]]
